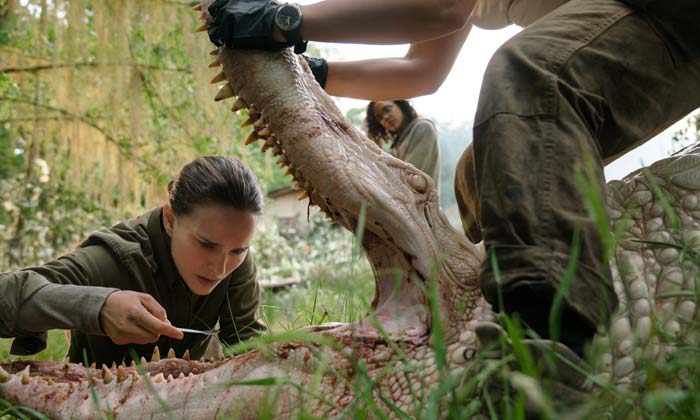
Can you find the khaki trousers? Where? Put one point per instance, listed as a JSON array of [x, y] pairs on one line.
[[571, 92]]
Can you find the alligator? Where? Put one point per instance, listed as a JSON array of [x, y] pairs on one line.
[[420, 333]]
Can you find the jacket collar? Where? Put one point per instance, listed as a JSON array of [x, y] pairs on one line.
[[402, 133], [162, 247]]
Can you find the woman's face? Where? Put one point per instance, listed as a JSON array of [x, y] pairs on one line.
[[209, 243], [389, 115]]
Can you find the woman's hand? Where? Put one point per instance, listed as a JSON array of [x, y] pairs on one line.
[[130, 317]]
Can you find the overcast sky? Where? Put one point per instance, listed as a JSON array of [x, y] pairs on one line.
[[455, 102]]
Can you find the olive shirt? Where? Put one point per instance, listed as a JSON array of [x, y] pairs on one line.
[[135, 255], [417, 144]]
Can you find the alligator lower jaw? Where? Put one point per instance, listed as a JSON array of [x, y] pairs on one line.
[[157, 370]]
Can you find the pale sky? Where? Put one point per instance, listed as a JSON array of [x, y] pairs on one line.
[[456, 100]]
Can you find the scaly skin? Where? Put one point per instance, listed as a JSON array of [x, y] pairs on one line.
[[410, 244]]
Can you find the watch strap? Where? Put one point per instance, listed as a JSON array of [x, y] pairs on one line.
[[294, 37]]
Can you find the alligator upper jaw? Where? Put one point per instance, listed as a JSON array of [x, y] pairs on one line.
[[351, 180], [348, 177]]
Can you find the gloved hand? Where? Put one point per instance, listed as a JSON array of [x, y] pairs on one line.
[[319, 67], [248, 24]]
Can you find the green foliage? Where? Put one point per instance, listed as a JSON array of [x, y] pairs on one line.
[[453, 140], [335, 286]]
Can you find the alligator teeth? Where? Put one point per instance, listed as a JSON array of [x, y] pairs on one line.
[[143, 360], [197, 8], [247, 122], [303, 196], [264, 132], [258, 123], [4, 376], [50, 382], [159, 378], [25, 375], [93, 365], [252, 110], [268, 143], [114, 365], [201, 359], [202, 28], [252, 138], [181, 375], [121, 374], [170, 378], [214, 52], [190, 375], [224, 93], [298, 187], [186, 355], [276, 151], [212, 360], [171, 353], [156, 354], [133, 363], [215, 63], [218, 78], [106, 374], [134, 376], [288, 172], [282, 161], [238, 105]]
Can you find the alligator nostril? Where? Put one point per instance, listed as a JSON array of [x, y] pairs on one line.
[[419, 183]]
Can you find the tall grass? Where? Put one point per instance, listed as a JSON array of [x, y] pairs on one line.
[[499, 388]]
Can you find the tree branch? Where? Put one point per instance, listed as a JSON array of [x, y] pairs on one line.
[[120, 147], [40, 67]]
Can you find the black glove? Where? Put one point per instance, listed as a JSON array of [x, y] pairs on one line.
[[319, 67], [247, 24]]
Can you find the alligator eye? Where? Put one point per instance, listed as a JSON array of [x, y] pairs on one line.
[[418, 182]]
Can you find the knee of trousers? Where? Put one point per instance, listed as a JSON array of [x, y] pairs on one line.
[[519, 80]]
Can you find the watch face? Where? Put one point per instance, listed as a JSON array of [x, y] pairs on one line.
[[288, 17]]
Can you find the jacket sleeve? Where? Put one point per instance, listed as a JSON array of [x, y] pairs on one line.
[[422, 148], [59, 294], [239, 314]]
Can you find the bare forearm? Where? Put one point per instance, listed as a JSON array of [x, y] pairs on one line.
[[383, 22], [375, 80], [420, 72]]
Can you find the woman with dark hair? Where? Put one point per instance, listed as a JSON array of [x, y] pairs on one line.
[[413, 139], [185, 264]]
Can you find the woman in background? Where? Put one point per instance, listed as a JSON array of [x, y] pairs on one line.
[[413, 138]]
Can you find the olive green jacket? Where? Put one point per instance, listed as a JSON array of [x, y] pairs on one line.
[[132, 255], [417, 144]]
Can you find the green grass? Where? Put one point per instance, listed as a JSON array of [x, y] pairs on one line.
[[339, 287], [56, 348]]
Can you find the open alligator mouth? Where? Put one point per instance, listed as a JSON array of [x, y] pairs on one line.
[[404, 233]]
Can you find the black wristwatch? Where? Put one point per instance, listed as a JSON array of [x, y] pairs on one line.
[[288, 19]]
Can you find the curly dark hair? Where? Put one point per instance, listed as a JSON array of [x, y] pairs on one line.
[[379, 134]]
